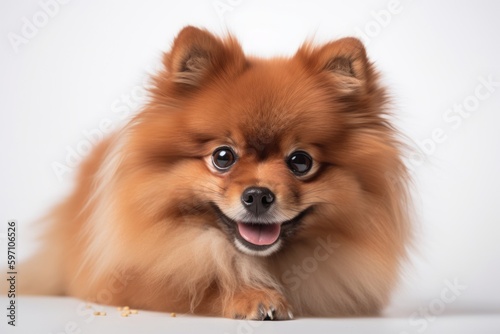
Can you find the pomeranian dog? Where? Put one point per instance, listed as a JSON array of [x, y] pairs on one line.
[[245, 188]]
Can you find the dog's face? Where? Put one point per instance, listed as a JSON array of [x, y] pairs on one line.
[[265, 155], [266, 150]]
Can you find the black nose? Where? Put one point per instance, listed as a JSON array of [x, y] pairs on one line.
[[257, 199]]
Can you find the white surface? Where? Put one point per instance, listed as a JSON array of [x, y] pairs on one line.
[[88, 61], [67, 315]]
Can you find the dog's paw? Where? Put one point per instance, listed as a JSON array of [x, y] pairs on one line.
[[255, 304]]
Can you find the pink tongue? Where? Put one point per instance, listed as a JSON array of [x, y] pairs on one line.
[[259, 234]]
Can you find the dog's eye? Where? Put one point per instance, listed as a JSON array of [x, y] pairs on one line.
[[299, 162], [223, 158]]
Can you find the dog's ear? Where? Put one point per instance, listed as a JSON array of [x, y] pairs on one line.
[[196, 54], [344, 60]]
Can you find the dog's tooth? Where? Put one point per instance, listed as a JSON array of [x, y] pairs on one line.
[[290, 314]]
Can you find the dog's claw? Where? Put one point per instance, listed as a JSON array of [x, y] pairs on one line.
[[270, 313], [261, 312], [260, 305]]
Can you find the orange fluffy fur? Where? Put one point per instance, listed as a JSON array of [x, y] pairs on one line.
[[140, 230]]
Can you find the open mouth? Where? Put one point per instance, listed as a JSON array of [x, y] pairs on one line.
[[259, 234], [259, 238]]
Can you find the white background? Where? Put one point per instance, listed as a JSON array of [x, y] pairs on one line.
[[82, 65]]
